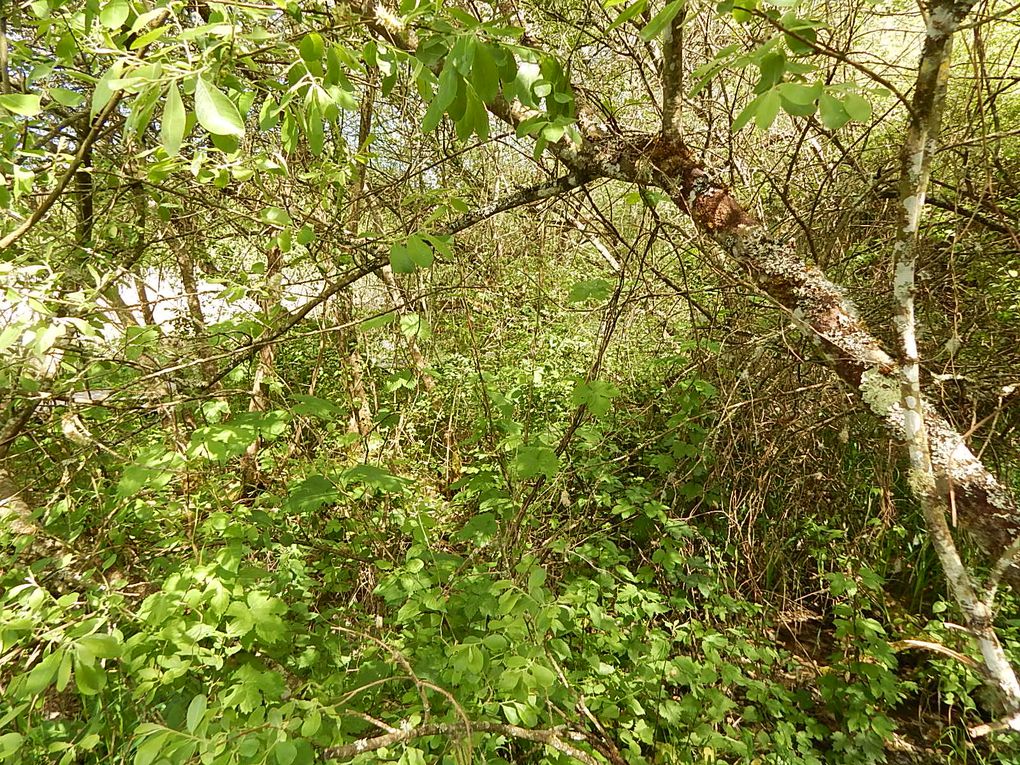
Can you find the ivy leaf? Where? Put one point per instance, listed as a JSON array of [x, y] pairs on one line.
[[23, 104], [215, 112], [661, 20], [174, 119], [596, 395], [532, 461], [593, 289]]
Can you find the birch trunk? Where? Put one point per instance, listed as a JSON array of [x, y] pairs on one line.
[[937, 501]]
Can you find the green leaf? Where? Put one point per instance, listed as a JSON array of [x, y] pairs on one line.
[[103, 92], [215, 112], [449, 83], [746, 113], [311, 47], [311, 724], [772, 67], [115, 13], [23, 104], [150, 748], [412, 325], [276, 216], [313, 406], [64, 672], [767, 110], [89, 678], [484, 73], [799, 93], [43, 673], [311, 494], [803, 35], [102, 646], [175, 118], [420, 251], [196, 712], [266, 611], [376, 477], [65, 97], [832, 113], [596, 395], [593, 289], [9, 744], [145, 40], [400, 259], [476, 117], [10, 334], [797, 110], [532, 461], [376, 322], [661, 20], [627, 14], [314, 132], [858, 107], [544, 676], [441, 244], [285, 752]]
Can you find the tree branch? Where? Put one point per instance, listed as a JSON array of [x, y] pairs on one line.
[[84, 148], [552, 738]]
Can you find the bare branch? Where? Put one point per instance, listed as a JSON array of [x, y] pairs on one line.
[[553, 738]]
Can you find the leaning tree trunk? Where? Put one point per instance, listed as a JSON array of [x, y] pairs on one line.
[[822, 310]]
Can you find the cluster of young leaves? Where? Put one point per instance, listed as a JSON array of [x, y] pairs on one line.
[[465, 64], [787, 75]]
